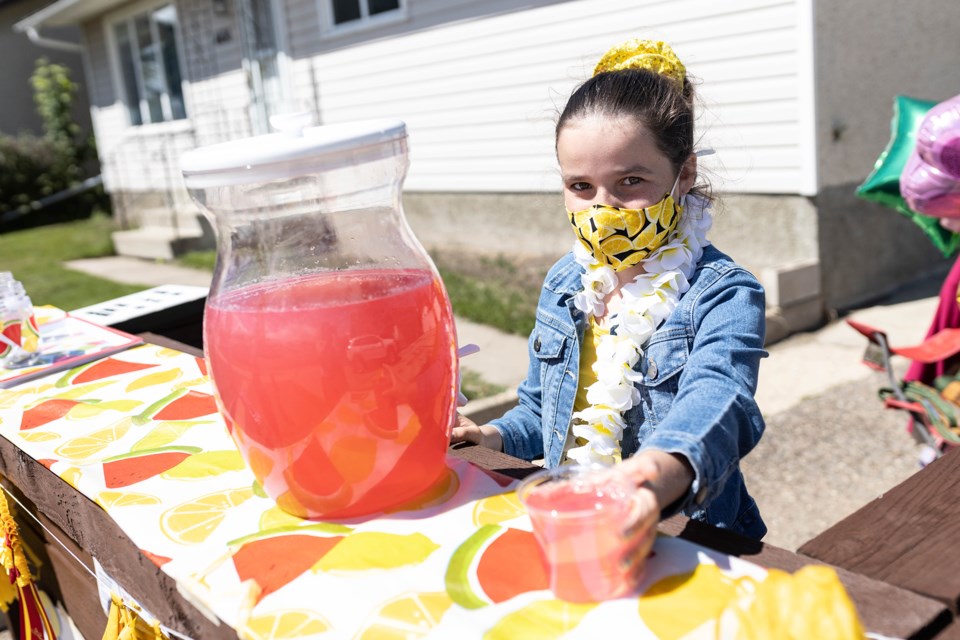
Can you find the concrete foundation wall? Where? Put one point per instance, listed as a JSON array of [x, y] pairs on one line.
[[760, 232], [868, 250], [866, 53]]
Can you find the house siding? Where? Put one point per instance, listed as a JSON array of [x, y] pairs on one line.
[[480, 85], [480, 95]]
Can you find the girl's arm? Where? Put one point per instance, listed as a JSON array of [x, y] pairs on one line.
[[714, 420]]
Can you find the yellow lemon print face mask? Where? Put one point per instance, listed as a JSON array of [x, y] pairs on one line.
[[620, 238]]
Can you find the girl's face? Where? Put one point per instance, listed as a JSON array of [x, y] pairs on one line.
[[615, 161]]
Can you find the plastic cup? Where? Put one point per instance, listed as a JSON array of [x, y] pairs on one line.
[[578, 514]]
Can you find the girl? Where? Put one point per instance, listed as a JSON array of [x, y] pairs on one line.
[[648, 340]]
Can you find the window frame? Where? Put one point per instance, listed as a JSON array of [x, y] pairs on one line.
[[127, 16], [364, 23]]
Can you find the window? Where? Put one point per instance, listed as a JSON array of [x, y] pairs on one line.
[[351, 11], [149, 60]]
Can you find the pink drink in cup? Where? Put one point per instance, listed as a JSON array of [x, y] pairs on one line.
[[578, 515]]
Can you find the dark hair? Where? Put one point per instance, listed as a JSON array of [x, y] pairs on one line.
[[656, 101]]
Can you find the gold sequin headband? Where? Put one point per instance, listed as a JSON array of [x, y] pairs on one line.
[[654, 55]]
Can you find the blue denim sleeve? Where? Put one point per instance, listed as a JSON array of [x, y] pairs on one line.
[[714, 420], [520, 427]]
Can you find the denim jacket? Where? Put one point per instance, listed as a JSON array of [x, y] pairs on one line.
[[699, 376]]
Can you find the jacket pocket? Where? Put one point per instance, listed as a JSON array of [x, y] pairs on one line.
[[548, 342], [663, 360], [661, 365]]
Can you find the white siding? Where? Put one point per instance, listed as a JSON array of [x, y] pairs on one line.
[[480, 96]]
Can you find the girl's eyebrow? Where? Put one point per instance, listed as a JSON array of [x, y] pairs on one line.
[[637, 168]]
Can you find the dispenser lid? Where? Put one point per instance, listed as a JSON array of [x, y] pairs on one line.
[[296, 149]]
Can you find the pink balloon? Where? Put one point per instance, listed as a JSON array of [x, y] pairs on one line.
[[930, 181]]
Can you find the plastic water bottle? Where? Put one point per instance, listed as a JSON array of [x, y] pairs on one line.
[[18, 324], [10, 326]]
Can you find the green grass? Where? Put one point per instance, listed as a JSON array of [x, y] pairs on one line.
[[489, 303], [35, 257], [199, 260], [474, 386]]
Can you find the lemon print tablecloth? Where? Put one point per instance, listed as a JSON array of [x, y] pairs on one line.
[[139, 433]]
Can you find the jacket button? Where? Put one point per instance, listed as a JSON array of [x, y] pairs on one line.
[[651, 369], [536, 344]]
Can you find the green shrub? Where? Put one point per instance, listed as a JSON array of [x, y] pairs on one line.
[[33, 168], [30, 168]]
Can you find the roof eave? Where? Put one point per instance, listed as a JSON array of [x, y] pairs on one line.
[[65, 13]]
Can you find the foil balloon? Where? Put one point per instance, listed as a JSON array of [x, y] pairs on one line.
[[930, 181], [883, 183]]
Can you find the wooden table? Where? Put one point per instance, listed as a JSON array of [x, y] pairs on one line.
[[89, 532], [907, 537]]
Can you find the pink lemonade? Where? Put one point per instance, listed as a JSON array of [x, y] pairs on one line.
[[579, 525], [338, 387]]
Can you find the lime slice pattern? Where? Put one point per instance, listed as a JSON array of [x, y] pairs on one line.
[[494, 565], [457, 578]]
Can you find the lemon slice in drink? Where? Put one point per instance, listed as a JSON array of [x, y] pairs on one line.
[[193, 522]]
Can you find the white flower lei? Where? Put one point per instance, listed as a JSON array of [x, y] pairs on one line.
[[646, 303]]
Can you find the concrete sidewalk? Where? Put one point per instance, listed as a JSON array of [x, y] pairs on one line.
[[829, 446]]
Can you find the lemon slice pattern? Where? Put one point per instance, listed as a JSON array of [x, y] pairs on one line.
[[192, 522], [406, 617], [285, 625], [148, 446]]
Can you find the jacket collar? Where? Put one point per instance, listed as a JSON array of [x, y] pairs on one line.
[[564, 278]]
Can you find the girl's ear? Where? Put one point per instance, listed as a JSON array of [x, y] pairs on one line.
[[688, 175]]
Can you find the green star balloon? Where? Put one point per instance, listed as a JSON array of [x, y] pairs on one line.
[[883, 183]]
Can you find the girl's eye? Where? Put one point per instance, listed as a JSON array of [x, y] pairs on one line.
[[632, 180], [579, 186]]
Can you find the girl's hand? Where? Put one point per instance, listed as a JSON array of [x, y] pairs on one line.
[[661, 478], [466, 430]]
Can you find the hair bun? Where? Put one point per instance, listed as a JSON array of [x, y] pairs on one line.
[[653, 55]]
